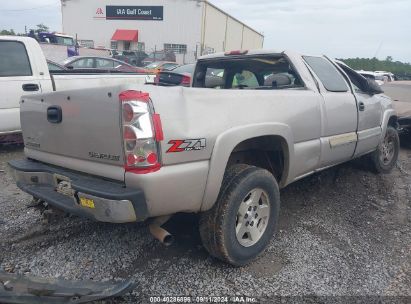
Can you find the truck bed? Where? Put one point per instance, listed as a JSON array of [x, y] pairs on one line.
[[66, 80]]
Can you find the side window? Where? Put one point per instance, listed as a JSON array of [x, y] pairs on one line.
[[329, 75], [275, 80], [104, 63], [14, 60], [245, 79], [85, 63]]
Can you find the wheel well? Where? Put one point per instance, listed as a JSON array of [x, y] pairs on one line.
[[268, 152], [393, 121]]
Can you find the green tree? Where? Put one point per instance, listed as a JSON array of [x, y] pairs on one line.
[[400, 69], [41, 28], [6, 32]]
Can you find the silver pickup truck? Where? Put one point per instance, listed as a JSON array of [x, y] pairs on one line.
[[252, 123]]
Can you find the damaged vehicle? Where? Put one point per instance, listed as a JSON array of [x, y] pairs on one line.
[[35, 290], [252, 123]]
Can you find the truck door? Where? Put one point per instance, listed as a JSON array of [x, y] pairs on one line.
[[16, 79], [369, 112], [339, 112]]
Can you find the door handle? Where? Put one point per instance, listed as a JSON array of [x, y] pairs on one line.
[[54, 114], [361, 106], [30, 87]]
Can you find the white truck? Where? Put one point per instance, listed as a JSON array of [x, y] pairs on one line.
[[23, 70]]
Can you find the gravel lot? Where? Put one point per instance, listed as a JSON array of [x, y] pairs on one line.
[[343, 232]]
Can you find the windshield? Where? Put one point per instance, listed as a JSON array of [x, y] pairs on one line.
[[54, 67], [153, 65], [68, 60], [188, 68]]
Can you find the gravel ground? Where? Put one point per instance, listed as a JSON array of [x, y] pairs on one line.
[[345, 231], [342, 232]]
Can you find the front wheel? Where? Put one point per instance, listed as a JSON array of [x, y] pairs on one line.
[[243, 220], [384, 159]]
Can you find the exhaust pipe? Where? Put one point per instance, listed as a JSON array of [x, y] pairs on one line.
[[160, 233]]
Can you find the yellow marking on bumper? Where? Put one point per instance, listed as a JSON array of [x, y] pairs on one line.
[[86, 202]]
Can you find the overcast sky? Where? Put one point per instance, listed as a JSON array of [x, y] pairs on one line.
[[338, 28]]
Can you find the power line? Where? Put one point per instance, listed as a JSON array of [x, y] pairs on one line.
[[28, 9]]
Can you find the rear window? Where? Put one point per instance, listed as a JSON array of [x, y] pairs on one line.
[[328, 74], [14, 60], [247, 73]]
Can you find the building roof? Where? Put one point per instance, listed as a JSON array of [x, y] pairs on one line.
[[225, 13]]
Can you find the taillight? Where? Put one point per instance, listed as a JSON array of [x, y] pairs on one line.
[[186, 81], [157, 78], [142, 133]]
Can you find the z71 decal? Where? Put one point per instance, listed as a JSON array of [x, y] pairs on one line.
[[187, 145]]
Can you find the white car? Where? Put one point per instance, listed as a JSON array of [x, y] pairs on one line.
[[386, 75], [372, 75]]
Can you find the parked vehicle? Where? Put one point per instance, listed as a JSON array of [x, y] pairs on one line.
[[132, 57], [24, 70], [252, 123], [156, 67], [388, 77], [101, 63], [58, 39], [379, 79], [180, 75], [159, 56]]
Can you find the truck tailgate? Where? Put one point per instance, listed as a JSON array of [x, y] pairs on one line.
[[87, 133]]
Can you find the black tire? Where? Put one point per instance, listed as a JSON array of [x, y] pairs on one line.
[[218, 225], [381, 163]]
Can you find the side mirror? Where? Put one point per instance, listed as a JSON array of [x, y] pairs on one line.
[[373, 88], [70, 67]]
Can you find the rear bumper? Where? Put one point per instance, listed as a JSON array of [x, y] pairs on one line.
[[103, 200]]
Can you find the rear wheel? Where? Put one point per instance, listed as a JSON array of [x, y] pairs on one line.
[[243, 220], [384, 159]]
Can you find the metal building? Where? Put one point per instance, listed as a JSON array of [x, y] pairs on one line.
[[190, 28]]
